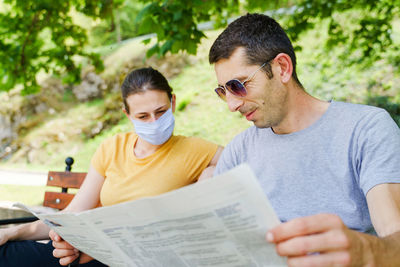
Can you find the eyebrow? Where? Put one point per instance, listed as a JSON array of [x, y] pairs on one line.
[[240, 78], [157, 109]]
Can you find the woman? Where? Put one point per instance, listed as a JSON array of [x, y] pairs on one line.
[[146, 162]]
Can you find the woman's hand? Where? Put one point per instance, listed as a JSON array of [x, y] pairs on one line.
[[65, 252]]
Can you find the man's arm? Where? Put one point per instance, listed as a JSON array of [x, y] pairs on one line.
[[323, 239], [384, 207]]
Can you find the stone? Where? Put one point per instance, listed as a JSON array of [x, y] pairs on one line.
[[92, 86]]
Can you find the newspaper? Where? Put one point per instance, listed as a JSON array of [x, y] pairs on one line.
[[217, 222]]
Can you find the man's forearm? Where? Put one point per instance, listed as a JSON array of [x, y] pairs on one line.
[[382, 251]]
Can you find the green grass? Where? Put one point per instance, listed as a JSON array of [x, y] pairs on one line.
[[29, 195]]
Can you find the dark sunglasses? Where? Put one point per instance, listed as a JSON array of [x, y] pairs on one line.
[[236, 87]]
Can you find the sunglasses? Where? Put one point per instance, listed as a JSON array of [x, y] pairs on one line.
[[236, 87]]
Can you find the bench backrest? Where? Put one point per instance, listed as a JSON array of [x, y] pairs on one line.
[[64, 180], [58, 200]]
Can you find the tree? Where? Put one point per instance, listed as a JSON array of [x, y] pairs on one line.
[[176, 22], [118, 27], [370, 30], [40, 36]]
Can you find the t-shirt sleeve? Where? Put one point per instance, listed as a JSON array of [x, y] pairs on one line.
[[199, 153], [98, 160], [231, 156], [378, 158]]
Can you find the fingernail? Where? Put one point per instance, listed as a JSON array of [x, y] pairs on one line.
[[270, 237]]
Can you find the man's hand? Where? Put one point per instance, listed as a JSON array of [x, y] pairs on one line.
[[65, 252], [207, 173], [321, 240]]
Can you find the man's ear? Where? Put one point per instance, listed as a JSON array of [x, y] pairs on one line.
[[173, 102], [285, 67]]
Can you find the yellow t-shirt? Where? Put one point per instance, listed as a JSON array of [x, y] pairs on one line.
[[176, 163]]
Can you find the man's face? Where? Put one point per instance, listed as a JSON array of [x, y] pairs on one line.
[[265, 102]]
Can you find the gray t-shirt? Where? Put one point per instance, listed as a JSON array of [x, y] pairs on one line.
[[328, 167]]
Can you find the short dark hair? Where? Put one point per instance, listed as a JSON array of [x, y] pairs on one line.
[[261, 36], [141, 80]]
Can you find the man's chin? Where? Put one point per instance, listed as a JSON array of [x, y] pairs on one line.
[[261, 124]]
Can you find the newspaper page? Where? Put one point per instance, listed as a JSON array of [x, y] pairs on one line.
[[221, 222]]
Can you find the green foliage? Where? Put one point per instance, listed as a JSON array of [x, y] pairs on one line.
[[175, 22], [40, 36], [388, 103], [183, 103], [118, 27], [365, 33], [368, 34]]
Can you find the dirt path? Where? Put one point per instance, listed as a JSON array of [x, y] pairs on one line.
[[22, 177]]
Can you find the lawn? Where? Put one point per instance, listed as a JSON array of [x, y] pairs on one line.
[[29, 195]]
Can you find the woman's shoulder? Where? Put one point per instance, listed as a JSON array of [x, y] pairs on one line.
[[191, 141], [119, 138]]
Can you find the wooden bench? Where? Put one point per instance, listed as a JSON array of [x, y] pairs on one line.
[[57, 200]]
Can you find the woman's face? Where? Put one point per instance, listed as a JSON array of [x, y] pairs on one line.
[[149, 105]]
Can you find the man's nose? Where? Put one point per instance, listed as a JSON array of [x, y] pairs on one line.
[[234, 102]]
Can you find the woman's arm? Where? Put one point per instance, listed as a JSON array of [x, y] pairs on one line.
[[209, 171], [88, 196]]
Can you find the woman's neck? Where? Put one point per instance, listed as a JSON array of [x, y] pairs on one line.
[[143, 149]]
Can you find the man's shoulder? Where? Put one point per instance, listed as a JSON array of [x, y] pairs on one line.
[[344, 111], [356, 109], [249, 132], [250, 137]]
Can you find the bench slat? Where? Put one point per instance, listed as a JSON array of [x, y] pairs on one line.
[[57, 200], [66, 179]]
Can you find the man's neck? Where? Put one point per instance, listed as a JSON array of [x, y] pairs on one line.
[[303, 110]]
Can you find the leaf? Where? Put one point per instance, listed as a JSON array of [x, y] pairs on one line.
[[191, 47], [166, 47], [146, 41], [153, 50]]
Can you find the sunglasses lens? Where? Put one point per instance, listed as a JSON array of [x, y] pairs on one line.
[[236, 88], [221, 93]]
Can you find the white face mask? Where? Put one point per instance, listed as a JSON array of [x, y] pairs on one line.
[[156, 132]]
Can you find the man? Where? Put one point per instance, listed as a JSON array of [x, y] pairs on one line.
[[331, 170]]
